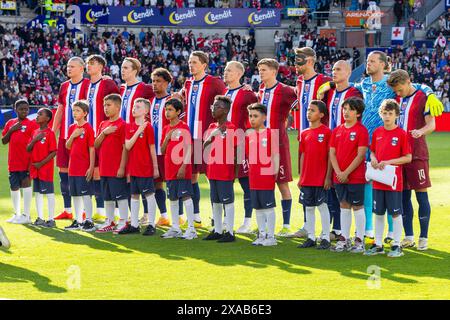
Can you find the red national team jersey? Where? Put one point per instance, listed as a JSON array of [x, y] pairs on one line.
[[139, 158], [40, 151], [79, 160], [279, 100], [334, 104], [69, 93], [18, 157], [240, 100], [259, 149], [388, 145], [131, 93], [96, 92], [307, 91], [199, 96], [314, 146], [175, 153], [110, 153], [412, 116], [158, 119], [346, 142], [220, 163]]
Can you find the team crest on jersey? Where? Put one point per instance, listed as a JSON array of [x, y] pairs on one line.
[[195, 87], [157, 106], [394, 141], [128, 91], [267, 96], [177, 134], [72, 91], [43, 140], [320, 137], [307, 85], [82, 135], [23, 128], [336, 100], [141, 135], [264, 142], [92, 90], [352, 136]]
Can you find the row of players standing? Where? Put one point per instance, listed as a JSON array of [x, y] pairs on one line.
[[199, 93]]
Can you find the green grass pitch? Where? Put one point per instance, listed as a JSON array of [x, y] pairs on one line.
[[54, 264]]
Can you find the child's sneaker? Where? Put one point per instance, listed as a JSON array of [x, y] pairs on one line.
[[374, 250], [163, 222], [285, 233], [4, 241], [388, 240], [39, 222], [227, 237], [213, 236], [342, 245], [149, 231], [144, 221], [407, 243], [88, 226], [121, 226], [301, 233], [309, 243], [324, 245], [423, 244], [13, 218], [189, 234], [358, 247], [172, 233], [259, 241], [106, 227], [74, 226], [50, 224], [64, 216], [269, 241], [22, 219], [129, 229], [334, 236], [395, 252], [244, 229]]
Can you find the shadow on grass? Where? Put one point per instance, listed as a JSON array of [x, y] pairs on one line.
[[10, 273]]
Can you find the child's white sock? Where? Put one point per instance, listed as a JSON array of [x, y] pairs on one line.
[[379, 229], [398, 227], [229, 217], [174, 209], [270, 216], [151, 203], [325, 219], [27, 195], [311, 222], [87, 202], [261, 220], [189, 206], [197, 216], [217, 216], [346, 222], [39, 198], [360, 223], [78, 205], [110, 207], [15, 197], [135, 212], [123, 210], [51, 205]]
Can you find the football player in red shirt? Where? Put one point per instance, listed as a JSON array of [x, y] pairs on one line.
[[99, 88], [390, 146], [279, 99], [417, 123], [262, 151], [241, 98], [81, 166], [315, 173], [43, 149], [348, 146], [177, 150], [142, 166], [220, 149], [17, 133], [112, 163], [76, 88]]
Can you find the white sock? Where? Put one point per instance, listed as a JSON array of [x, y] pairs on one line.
[[217, 216], [229, 217], [197, 216], [87, 202], [123, 210], [390, 235], [346, 222], [78, 205], [39, 198], [116, 212], [109, 210], [189, 206], [164, 215], [360, 223], [271, 217], [15, 197], [247, 222], [51, 205], [101, 211], [68, 210], [398, 227], [410, 238], [151, 204], [325, 219], [27, 195], [311, 222], [261, 220], [135, 212], [174, 208], [379, 229]]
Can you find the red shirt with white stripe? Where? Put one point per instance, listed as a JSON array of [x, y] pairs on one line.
[[131, 93], [334, 104], [240, 100], [69, 93], [158, 119]]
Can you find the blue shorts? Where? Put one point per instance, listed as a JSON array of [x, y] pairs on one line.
[[390, 201], [142, 185], [353, 194], [79, 187], [114, 188], [313, 196], [221, 191], [178, 189], [263, 199], [16, 178], [43, 187]]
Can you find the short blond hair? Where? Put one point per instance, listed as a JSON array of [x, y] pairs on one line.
[[398, 77], [135, 63], [271, 63], [237, 64]]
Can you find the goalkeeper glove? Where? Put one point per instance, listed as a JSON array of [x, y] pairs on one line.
[[434, 106]]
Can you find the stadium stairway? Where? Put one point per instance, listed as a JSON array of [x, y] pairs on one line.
[[25, 16]]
